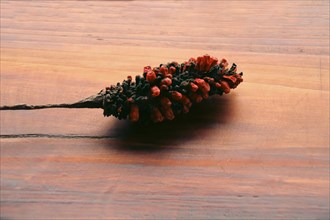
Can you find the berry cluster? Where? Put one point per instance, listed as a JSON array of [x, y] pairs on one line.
[[170, 89]]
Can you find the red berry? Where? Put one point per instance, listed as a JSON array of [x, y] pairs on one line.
[[225, 86], [151, 76], [193, 87], [155, 91], [166, 81], [165, 102], [146, 69], [176, 96], [156, 115], [134, 114], [172, 70], [163, 70]]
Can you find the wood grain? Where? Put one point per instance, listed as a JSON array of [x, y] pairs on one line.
[[260, 152]]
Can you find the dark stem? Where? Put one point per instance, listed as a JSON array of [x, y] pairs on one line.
[[95, 101]]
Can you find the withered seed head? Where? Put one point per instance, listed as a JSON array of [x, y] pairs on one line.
[[164, 92]]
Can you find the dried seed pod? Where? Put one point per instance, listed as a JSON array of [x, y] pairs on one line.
[[161, 92]]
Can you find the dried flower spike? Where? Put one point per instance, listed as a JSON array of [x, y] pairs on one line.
[[161, 93]]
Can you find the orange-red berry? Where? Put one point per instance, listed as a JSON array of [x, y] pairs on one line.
[[146, 69], [168, 113], [172, 70], [193, 87], [156, 115], [163, 70], [165, 102], [166, 81], [155, 91], [134, 114], [196, 98], [225, 86], [151, 76], [176, 96]]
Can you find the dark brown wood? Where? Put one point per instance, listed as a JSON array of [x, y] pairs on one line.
[[260, 152]]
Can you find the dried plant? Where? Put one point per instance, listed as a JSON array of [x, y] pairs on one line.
[[161, 93]]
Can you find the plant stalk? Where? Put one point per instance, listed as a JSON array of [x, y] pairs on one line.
[[95, 101]]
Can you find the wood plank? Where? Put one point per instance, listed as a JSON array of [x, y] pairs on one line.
[[111, 179], [260, 152]]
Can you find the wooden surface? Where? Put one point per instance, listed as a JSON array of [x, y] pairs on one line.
[[260, 152]]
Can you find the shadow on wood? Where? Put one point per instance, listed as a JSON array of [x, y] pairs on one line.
[[169, 135]]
